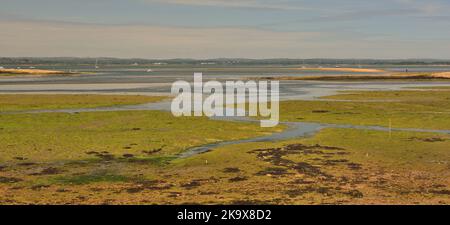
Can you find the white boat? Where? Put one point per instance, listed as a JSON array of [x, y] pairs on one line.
[[149, 70]]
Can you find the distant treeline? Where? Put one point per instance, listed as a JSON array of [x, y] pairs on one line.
[[222, 61]]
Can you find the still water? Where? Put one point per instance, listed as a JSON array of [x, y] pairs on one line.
[[139, 80]]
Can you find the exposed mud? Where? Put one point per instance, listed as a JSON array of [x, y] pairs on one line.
[[441, 192], [309, 189], [332, 162], [198, 182], [231, 170], [314, 179], [249, 202], [191, 185], [20, 158], [48, 171], [26, 164], [273, 172], [320, 111], [307, 169], [143, 185], [238, 179], [432, 139], [127, 155], [39, 187], [174, 194], [275, 157], [6, 180], [354, 166], [102, 155], [151, 152], [355, 194]]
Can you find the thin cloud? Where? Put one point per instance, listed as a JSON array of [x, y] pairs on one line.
[[429, 7], [255, 4], [60, 39]]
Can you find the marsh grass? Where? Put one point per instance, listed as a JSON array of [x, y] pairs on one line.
[[91, 178], [24, 102], [130, 135], [128, 157], [400, 109]]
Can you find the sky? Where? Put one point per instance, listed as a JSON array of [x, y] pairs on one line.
[[162, 29]]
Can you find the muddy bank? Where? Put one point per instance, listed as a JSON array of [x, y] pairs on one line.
[[337, 69], [33, 72]]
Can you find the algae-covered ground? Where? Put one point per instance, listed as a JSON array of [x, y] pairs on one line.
[[56, 137], [131, 157], [26, 102]]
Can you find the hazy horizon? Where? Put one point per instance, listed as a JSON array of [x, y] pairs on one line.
[[220, 58], [209, 29]]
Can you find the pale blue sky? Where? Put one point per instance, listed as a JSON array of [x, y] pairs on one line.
[[226, 28]]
